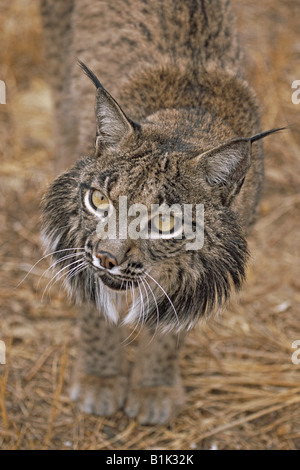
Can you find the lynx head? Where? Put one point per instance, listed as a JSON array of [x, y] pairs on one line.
[[148, 256]]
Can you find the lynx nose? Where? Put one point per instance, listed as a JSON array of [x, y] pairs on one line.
[[107, 260]]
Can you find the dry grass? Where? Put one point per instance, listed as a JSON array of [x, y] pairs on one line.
[[243, 389]]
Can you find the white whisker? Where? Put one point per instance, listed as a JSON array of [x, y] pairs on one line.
[[142, 310], [59, 275], [53, 265], [162, 289], [132, 288], [69, 272], [41, 259], [142, 281], [141, 314], [157, 309], [126, 293], [74, 272]]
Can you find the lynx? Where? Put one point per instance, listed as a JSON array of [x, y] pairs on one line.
[[179, 125]]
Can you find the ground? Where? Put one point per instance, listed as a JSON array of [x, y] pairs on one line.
[[241, 377]]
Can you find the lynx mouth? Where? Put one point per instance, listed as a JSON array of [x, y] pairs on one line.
[[116, 283], [112, 282]]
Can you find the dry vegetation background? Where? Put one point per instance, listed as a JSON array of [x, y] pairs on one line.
[[243, 389]]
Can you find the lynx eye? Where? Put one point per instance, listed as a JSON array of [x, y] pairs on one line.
[[166, 225], [97, 201], [163, 223]]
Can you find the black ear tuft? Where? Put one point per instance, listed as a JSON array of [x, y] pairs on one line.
[[112, 123], [90, 74], [261, 135]]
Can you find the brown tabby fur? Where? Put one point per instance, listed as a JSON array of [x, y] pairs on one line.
[[175, 68]]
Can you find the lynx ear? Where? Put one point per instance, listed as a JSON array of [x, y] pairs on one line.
[[112, 123], [226, 166], [228, 163]]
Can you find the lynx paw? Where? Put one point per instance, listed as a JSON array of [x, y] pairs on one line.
[[102, 396], [155, 405]]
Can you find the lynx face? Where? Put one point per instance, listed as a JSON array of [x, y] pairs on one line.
[[171, 285]]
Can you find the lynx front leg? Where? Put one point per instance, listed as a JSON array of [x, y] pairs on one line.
[[99, 378], [156, 392]]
